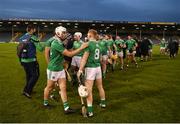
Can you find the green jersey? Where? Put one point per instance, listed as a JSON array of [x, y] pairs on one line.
[[103, 46], [110, 44], [56, 56], [77, 45], [130, 44], [162, 44], [94, 54], [49, 42], [118, 44]]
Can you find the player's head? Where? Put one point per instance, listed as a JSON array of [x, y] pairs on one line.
[[61, 32], [129, 37], [92, 34], [110, 37], [118, 38], [77, 36], [31, 29], [106, 37], [145, 38]]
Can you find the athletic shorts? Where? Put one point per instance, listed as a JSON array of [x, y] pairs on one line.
[[55, 75], [162, 48], [93, 73], [120, 54], [76, 61], [104, 57], [129, 53]]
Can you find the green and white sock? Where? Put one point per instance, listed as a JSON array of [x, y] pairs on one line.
[[103, 102], [46, 102], [89, 108], [66, 105]]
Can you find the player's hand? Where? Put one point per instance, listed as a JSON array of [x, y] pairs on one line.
[[79, 73], [84, 45]]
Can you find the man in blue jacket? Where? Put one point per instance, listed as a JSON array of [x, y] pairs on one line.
[[28, 59]]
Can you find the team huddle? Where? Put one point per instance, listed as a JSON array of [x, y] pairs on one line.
[[91, 58]]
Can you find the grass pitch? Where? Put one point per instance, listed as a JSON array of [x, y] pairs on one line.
[[150, 93]]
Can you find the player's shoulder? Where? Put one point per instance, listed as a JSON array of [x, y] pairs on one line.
[[75, 42], [50, 40], [56, 42], [24, 37], [93, 43]]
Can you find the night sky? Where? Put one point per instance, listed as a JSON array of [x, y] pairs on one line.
[[112, 10]]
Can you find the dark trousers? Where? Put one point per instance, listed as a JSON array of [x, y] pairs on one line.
[[124, 52], [32, 75], [172, 53]]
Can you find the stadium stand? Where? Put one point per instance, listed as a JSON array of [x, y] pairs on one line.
[[11, 30]]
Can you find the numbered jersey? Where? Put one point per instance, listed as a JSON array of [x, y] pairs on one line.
[[94, 54]]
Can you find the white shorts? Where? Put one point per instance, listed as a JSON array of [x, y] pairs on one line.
[[120, 54], [76, 61], [162, 48], [93, 73], [150, 50], [55, 75], [104, 57]]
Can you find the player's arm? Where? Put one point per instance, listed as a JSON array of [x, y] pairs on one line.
[[83, 63], [115, 47], [109, 48], [74, 52], [135, 45], [47, 54], [124, 45], [101, 59], [37, 43]]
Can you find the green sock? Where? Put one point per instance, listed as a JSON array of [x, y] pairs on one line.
[[104, 74], [66, 105], [46, 102], [90, 108], [103, 102]]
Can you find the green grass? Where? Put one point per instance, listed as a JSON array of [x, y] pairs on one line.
[[150, 93]]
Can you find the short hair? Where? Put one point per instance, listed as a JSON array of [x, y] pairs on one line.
[[94, 32], [29, 27]]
